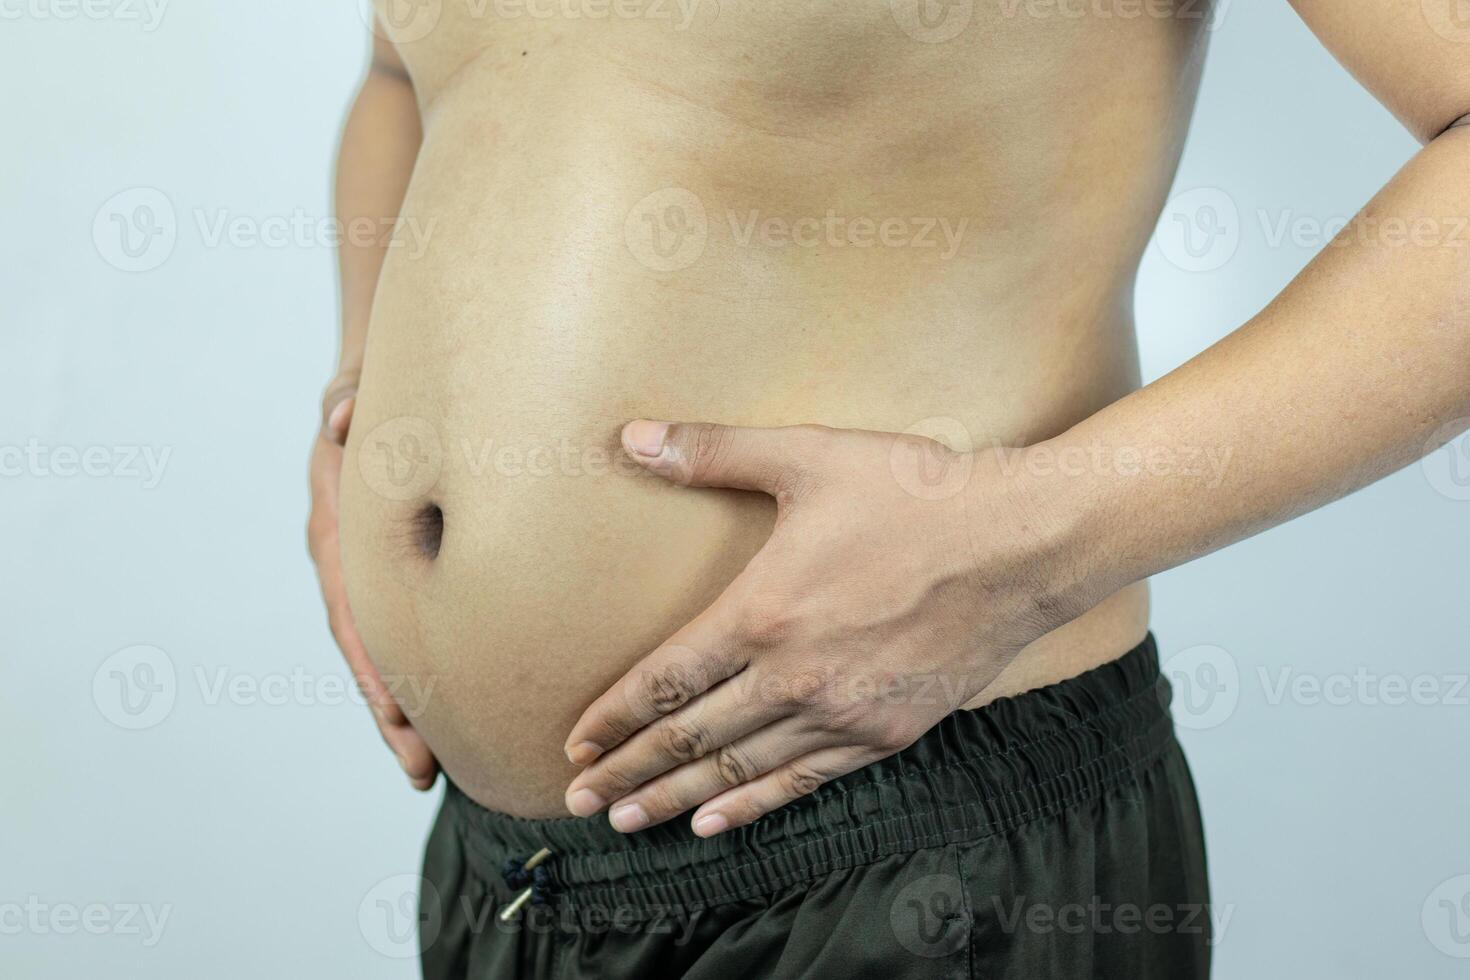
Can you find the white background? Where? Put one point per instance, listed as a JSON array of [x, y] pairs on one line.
[[262, 830]]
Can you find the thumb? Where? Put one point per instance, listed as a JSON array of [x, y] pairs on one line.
[[703, 454]]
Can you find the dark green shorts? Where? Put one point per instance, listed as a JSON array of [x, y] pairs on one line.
[[1050, 836]]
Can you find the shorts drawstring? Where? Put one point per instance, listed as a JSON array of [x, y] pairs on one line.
[[531, 875]]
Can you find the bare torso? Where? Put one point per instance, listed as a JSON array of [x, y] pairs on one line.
[[766, 214]]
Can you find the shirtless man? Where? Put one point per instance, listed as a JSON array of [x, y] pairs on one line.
[[874, 262]]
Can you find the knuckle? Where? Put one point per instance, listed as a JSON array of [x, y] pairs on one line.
[[767, 623], [660, 802], [732, 767], [806, 689], [666, 688], [800, 779], [745, 810], [892, 735], [615, 779], [615, 727], [838, 715], [682, 740], [708, 446]]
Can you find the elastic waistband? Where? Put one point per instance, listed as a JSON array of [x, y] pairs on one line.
[[975, 774]]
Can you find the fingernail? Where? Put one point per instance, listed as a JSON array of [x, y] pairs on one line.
[[644, 437], [583, 753], [710, 824], [584, 803], [628, 817]]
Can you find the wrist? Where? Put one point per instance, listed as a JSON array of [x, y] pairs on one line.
[[1049, 519]]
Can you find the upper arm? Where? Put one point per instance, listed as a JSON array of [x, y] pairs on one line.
[[1414, 55]]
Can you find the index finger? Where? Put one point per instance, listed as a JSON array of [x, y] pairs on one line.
[[690, 663]]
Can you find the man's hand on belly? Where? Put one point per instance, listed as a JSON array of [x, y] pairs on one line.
[[322, 541], [900, 579]]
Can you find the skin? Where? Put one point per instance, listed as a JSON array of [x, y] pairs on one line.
[[838, 569]]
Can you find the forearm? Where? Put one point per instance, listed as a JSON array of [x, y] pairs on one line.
[[379, 146], [1361, 366]]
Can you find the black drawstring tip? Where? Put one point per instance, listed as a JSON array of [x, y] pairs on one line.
[[529, 875]]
